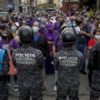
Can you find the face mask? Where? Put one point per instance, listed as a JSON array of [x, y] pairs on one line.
[[50, 30], [39, 19], [24, 22], [92, 21], [74, 25], [13, 28], [99, 25], [35, 29], [4, 36], [97, 37], [78, 22], [46, 23], [85, 23]]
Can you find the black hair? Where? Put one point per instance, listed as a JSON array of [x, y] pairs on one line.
[[92, 18], [95, 31], [2, 27], [9, 34]]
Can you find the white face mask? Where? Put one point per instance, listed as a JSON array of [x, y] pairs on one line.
[[99, 25], [97, 37]]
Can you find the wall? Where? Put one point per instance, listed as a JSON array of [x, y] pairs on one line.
[[66, 6], [56, 2], [3, 4]]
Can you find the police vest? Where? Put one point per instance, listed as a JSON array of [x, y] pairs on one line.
[[2, 52], [97, 57]]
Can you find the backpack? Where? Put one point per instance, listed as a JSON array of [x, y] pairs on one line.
[[2, 53]]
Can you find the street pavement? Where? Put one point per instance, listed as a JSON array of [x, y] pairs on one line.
[[50, 94]]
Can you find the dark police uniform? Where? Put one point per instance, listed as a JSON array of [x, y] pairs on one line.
[[94, 62], [68, 63], [3, 78], [29, 63]]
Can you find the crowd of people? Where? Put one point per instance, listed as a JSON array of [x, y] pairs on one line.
[[47, 32]]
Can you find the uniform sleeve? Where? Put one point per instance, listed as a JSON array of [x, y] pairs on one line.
[[56, 62], [5, 69], [92, 56], [41, 60]]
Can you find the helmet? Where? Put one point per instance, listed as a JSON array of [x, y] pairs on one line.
[[25, 34], [68, 37]]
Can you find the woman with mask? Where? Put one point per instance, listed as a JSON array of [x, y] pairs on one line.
[[90, 44], [14, 31], [97, 25], [74, 23], [9, 43], [50, 36]]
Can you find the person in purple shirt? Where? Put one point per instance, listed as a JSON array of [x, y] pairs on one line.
[[50, 36], [92, 24], [7, 42], [31, 21]]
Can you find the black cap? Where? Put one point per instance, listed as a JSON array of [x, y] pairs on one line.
[[68, 37], [25, 34]]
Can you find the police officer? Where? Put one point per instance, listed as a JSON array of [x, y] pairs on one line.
[[4, 68], [94, 62], [68, 62], [29, 63]]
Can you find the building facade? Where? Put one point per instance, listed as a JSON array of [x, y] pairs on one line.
[[66, 4], [3, 5]]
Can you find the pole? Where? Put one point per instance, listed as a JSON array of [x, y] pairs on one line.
[[36, 6], [98, 5]]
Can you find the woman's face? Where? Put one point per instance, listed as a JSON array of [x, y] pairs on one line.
[[4, 35], [13, 27], [99, 25], [97, 36]]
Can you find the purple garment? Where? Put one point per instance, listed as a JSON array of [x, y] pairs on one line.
[[51, 36], [56, 25], [20, 22], [43, 29], [30, 22], [91, 26], [13, 43], [49, 68], [58, 43], [49, 26]]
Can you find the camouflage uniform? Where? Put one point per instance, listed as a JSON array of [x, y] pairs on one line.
[[95, 92], [29, 63], [68, 63], [3, 79]]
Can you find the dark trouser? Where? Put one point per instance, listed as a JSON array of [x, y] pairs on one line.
[[72, 92], [83, 49], [35, 93], [94, 94], [90, 76], [3, 91], [15, 78]]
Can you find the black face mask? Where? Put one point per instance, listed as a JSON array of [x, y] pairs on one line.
[[78, 22], [3, 37]]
